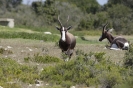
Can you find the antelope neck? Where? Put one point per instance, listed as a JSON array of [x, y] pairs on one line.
[[110, 38]]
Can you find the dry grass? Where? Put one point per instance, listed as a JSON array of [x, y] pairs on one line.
[[23, 48]]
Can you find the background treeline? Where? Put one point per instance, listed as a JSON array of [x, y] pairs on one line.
[[84, 14]]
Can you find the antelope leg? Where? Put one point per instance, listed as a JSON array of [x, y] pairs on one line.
[[119, 44]]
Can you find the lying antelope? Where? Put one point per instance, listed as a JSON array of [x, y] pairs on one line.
[[116, 43], [67, 41]]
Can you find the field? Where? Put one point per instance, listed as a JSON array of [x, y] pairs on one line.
[[25, 47], [23, 51]]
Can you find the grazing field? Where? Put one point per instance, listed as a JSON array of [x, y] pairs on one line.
[[31, 59], [25, 47], [20, 49]]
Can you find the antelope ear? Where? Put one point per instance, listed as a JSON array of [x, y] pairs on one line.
[[57, 28], [69, 27], [107, 30]]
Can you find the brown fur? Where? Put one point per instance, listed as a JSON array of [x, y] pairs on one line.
[[69, 44], [119, 41]]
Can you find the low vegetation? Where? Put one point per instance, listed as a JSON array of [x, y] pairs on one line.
[[42, 59], [12, 73], [85, 69], [4, 51], [24, 35], [92, 69]]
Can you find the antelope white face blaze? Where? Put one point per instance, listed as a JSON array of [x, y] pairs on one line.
[[63, 35]]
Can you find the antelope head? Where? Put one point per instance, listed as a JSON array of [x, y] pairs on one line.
[[104, 33], [63, 30]]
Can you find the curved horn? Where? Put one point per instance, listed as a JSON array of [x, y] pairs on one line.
[[60, 21], [104, 27]]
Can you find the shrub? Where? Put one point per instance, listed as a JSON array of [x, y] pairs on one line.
[[45, 59], [99, 56], [67, 84], [128, 59], [85, 71], [76, 71], [42, 59], [128, 65], [128, 83], [66, 74], [13, 72], [110, 79]]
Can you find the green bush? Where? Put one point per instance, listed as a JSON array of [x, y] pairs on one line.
[[128, 65], [128, 59], [66, 74], [67, 84], [85, 70], [45, 59], [42, 59], [75, 71], [99, 56], [128, 83], [108, 79], [12, 72]]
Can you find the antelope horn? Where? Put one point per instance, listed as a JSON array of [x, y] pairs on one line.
[[60, 22], [104, 27]]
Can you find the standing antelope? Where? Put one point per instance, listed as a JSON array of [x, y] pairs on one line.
[[116, 43], [67, 41]]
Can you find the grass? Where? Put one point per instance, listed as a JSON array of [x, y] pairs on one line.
[[90, 71], [89, 40], [43, 59], [84, 37], [84, 33], [31, 59], [12, 72], [20, 53], [24, 35]]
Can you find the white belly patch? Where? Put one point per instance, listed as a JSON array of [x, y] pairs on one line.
[[114, 47]]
